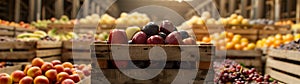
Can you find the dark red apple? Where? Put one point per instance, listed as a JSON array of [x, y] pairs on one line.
[[156, 39], [189, 41], [167, 27], [139, 38], [174, 38], [117, 36]]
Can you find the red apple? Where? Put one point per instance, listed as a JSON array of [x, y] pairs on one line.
[[75, 78], [51, 74], [68, 81], [5, 79], [37, 62], [46, 66], [26, 80], [17, 75], [62, 76], [55, 62], [59, 68], [189, 41], [174, 38], [117, 36], [80, 73], [156, 39], [139, 38], [81, 66], [34, 72], [68, 70], [41, 80]]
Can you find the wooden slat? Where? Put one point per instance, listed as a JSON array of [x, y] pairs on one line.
[[6, 33], [243, 31], [48, 52], [6, 27], [282, 77], [49, 44], [11, 69], [24, 29], [76, 45], [284, 66], [49, 59], [240, 53], [17, 55], [17, 45], [286, 54], [77, 55], [173, 52]]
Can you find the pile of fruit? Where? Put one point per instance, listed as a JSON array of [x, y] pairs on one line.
[[230, 72], [50, 36], [262, 21], [107, 20], [229, 41], [234, 19], [293, 45], [276, 41], [284, 23], [40, 72], [151, 33], [133, 19], [44, 23], [91, 19], [13, 24]]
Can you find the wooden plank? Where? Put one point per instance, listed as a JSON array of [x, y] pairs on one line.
[[6, 27], [240, 53], [48, 52], [243, 31], [49, 59], [76, 55], [11, 69], [17, 55], [173, 52], [49, 44], [286, 54], [282, 77], [6, 33], [288, 67], [79, 45], [21, 29], [17, 45]]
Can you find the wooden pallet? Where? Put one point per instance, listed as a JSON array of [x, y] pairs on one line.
[[6, 31], [49, 50], [251, 58], [17, 51], [175, 53], [76, 52], [284, 65]]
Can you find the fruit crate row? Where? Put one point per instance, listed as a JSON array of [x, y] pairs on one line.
[[197, 56], [20, 51], [249, 58], [11, 31], [283, 65], [252, 32]]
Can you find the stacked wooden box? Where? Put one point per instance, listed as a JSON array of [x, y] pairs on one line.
[[197, 57], [16, 51], [7, 31], [284, 65]]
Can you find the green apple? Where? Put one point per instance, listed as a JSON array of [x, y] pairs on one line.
[[130, 31]]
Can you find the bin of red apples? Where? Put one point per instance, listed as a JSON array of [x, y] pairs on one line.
[[165, 33], [40, 72]]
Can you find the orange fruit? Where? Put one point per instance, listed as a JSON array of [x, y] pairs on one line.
[[229, 46], [206, 39], [244, 44], [244, 40], [246, 48], [278, 37], [235, 40], [251, 46], [229, 35], [238, 47], [237, 36], [289, 37]]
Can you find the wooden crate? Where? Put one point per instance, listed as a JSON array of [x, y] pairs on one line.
[[269, 30], [250, 58], [19, 30], [182, 53], [61, 27], [17, 51], [76, 51], [284, 65], [6, 31], [49, 50]]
